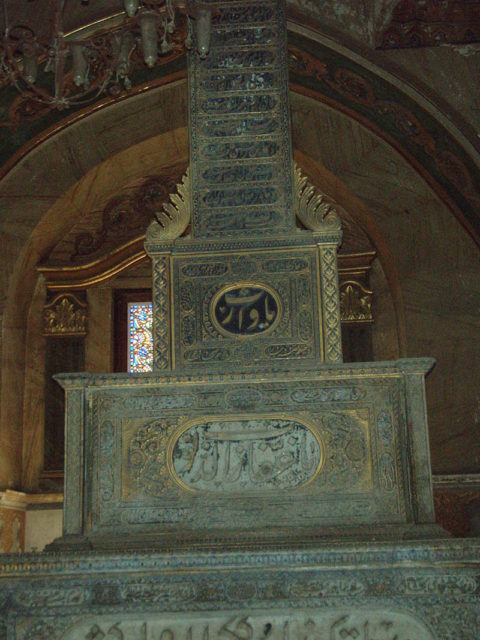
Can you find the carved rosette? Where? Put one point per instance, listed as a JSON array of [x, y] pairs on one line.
[[65, 315], [355, 302]]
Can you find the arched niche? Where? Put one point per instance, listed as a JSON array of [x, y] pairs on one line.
[[47, 189]]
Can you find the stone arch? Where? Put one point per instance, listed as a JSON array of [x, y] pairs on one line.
[[47, 178], [71, 154]]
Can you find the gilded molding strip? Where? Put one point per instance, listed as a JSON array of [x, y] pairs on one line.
[[330, 303], [161, 319]]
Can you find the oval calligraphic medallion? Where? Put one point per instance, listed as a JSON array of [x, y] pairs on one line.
[[244, 309], [237, 455]]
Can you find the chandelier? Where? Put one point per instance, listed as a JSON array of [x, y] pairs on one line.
[[63, 70]]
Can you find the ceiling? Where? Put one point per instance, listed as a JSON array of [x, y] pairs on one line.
[[375, 23]]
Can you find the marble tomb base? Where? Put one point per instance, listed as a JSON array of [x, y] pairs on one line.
[[332, 591]]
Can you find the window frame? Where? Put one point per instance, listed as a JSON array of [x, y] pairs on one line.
[[122, 298]]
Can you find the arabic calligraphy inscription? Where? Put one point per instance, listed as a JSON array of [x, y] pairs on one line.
[[245, 310], [357, 625], [249, 454]]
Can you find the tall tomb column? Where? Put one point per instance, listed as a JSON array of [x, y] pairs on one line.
[[247, 285]]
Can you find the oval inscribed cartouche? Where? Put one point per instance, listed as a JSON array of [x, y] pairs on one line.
[[245, 309], [228, 455]]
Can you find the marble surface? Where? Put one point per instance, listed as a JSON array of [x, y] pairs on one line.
[[42, 526], [401, 591], [291, 451]]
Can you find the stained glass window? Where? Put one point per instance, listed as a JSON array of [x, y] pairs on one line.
[[140, 343]]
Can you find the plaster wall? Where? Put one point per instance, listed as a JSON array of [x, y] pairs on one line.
[[448, 75], [42, 526], [437, 262]]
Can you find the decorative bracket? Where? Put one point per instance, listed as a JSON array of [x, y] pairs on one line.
[[174, 217], [315, 210], [65, 315], [355, 302]]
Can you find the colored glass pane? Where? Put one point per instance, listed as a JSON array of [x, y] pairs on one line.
[[140, 342]]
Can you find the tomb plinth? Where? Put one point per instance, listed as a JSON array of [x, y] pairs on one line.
[[365, 591], [251, 486], [216, 459]]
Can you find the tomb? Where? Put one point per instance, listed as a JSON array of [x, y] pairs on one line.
[[252, 485]]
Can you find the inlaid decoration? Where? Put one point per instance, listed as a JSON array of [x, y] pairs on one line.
[[146, 458], [241, 115], [161, 324], [65, 315], [255, 454], [245, 309], [256, 306]]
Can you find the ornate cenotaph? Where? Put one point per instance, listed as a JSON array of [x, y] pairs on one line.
[[252, 486]]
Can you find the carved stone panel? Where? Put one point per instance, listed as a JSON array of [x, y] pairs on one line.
[[301, 449], [65, 315], [245, 455], [245, 625], [169, 465], [239, 124], [355, 302], [246, 307]]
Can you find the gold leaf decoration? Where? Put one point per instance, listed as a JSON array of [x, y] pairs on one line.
[[355, 302], [66, 315], [316, 210], [174, 217]]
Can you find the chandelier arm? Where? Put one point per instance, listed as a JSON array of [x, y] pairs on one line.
[[23, 52], [5, 18], [60, 50]]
